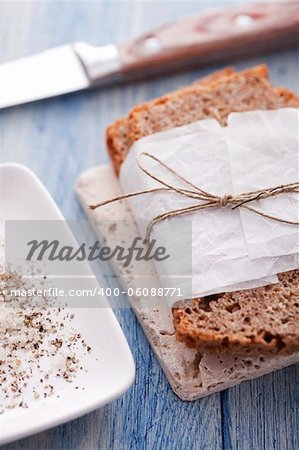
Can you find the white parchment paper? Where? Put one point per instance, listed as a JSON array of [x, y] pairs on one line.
[[226, 249], [263, 150]]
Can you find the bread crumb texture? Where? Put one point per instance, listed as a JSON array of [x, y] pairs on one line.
[[264, 319]]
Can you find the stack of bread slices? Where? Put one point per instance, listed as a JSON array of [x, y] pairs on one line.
[[251, 321]]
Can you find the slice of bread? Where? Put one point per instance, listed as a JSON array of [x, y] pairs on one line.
[[192, 374], [215, 96], [118, 134], [257, 320], [252, 321]]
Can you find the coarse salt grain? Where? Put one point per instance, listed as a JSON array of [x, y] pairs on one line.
[[34, 340]]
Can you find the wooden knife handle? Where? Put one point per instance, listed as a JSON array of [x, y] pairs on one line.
[[214, 36]]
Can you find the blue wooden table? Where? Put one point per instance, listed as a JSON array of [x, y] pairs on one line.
[[60, 138]]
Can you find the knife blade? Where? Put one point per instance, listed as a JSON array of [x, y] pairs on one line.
[[50, 73], [213, 36]]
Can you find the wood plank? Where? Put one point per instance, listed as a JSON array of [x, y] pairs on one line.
[[263, 414]]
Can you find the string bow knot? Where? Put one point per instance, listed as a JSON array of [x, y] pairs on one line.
[[225, 200], [206, 199]]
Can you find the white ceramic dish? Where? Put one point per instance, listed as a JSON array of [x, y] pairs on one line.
[[109, 367]]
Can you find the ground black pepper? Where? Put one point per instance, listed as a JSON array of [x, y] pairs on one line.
[[34, 340]]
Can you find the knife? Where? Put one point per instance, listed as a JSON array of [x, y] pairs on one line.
[[213, 36]]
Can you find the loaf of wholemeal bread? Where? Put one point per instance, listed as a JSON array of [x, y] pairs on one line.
[[213, 97], [250, 321]]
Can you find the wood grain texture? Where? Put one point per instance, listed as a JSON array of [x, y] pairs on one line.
[[60, 138]]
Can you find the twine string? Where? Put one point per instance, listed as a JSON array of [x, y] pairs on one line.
[[206, 199]]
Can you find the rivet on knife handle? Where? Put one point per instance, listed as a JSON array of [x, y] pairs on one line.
[[211, 37]]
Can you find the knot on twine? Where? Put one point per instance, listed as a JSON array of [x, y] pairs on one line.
[[207, 199], [225, 200]]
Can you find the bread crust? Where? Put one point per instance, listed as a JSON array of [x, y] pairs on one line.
[[118, 135], [214, 96]]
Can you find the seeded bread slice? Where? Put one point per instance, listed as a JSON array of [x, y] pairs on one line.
[[258, 320], [215, 97], [243, 91], [118, 134], [191, 374], [264, 319]]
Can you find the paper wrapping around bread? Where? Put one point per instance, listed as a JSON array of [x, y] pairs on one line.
[[192, 374], [275, 313], [222, 250]]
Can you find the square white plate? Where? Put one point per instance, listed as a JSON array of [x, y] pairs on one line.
[[109, 366]]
